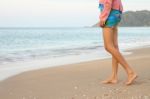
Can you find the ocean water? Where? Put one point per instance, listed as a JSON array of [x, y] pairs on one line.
[[28, 49]]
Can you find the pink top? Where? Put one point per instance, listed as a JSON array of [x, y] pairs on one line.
[[108, 5]]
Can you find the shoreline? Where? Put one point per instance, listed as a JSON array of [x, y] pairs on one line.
[[11, 69], [81, 81]]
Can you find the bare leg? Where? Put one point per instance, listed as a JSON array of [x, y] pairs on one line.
[[113, 77], [115, 63], [109, 46]]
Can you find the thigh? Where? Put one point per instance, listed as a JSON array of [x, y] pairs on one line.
[[115, 37], [108, 36]]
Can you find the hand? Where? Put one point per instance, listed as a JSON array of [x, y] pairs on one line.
[[102, 23]]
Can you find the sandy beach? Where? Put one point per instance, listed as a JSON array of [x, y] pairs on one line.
[[81, 81]]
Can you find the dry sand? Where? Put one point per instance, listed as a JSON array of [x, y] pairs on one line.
[[81, 81]]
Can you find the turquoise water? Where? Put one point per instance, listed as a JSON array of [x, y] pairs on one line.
[[24, 44]]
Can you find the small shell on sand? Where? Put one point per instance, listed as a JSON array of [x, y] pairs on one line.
[[75, 87], [84, 95]]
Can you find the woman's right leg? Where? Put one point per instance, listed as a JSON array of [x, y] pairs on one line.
[[115, 63], [107, 35], [113, 77]]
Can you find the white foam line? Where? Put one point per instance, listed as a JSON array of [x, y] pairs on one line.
[[12, 69]]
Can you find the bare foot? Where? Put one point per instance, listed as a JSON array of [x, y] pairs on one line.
[[110, 81], [131, 78]]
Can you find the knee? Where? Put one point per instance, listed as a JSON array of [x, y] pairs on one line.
[[109, 48], [116, 47]]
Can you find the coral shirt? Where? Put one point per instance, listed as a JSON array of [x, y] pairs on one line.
[[107, 6]]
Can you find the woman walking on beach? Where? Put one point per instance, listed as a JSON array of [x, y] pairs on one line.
[[110, 16]]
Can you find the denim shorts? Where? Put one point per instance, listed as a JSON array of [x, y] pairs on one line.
[[114, 17]]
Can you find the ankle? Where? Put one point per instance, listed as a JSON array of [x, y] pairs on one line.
[[131, 73], [114, 77]]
